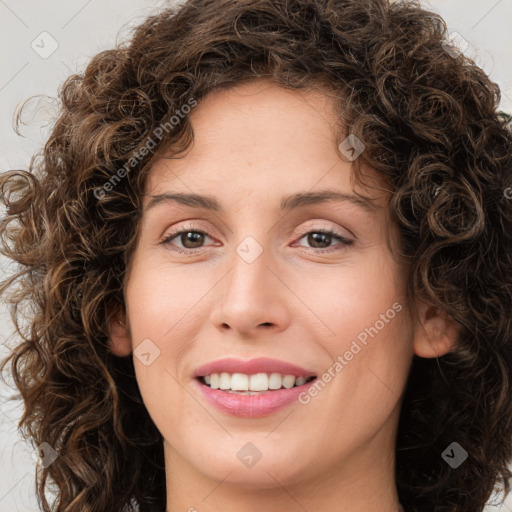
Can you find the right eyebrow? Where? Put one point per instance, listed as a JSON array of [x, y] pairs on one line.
[[191, 200]]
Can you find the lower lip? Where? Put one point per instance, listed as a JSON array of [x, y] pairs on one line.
[[251, 406]]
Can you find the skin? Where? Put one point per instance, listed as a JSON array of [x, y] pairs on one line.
[[254, 144]]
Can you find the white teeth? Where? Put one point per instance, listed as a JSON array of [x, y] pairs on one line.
[[288, 381], [239, 382], [225, 381], [275, 381], [300, 381], [251, 384], [258, 382]]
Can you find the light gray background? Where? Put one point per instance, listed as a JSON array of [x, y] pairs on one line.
[[81, 28]]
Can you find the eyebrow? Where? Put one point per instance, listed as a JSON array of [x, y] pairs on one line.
[[288, 203]]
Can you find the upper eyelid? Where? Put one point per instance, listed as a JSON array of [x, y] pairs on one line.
[[191, 226]]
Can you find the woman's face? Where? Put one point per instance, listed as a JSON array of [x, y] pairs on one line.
[[256, 278]]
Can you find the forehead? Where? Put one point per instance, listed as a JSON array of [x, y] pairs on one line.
[[259, 132]]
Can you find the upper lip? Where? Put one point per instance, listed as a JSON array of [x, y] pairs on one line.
[[252, 366]]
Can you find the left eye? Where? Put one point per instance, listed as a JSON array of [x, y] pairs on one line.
[[192, 239], [320, 236]]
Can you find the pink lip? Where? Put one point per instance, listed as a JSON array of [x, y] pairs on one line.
[[251, 367], [251, 406]]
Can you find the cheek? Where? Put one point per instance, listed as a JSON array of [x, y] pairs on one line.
[[366, 331], [366, 292], [162, 302], [158, 315], [163, 393]]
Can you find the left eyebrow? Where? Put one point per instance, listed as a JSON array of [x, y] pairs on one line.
[[288, 203], [307, 198]]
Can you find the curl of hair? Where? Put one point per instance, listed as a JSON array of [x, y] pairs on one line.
[[430, 125]]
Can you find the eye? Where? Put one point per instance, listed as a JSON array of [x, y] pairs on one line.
[[192, 240], [319, 238]]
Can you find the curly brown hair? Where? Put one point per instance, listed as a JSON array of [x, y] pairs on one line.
[[430, 123]]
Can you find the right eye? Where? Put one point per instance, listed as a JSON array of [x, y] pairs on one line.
[[190, 238]]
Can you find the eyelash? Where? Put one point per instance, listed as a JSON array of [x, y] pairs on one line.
[[167, 239]]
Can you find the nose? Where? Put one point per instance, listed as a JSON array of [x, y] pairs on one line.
[[252, 298]]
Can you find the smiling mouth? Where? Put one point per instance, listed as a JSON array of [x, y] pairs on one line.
[[255, 384]]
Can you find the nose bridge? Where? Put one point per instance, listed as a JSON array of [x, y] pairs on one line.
[[253, 247], [248, 281], [249, 296]]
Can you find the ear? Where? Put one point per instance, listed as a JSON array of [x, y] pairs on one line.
[[436, 333], [119, 332]]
